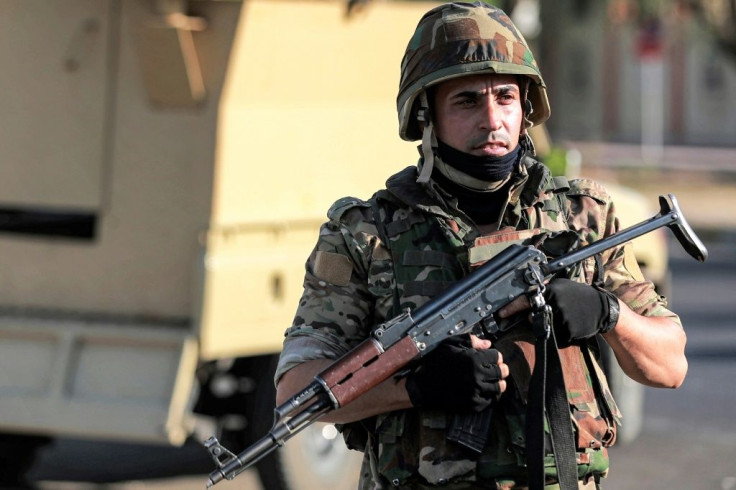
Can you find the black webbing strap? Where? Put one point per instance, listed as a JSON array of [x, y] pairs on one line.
[[383, 235], [547, 394], [435, 258], [426, 288]]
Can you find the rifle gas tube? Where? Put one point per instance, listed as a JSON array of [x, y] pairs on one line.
[[469, 302]]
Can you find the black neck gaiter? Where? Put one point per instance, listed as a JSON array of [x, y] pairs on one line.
[[487, 168], [483, 207]]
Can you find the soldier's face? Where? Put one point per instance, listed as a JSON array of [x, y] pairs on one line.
[[479, 114]]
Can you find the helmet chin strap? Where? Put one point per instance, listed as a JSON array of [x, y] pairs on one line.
[[526, 104], [525, 141], [429, 140]]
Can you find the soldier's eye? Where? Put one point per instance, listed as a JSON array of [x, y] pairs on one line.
[[467, 101]]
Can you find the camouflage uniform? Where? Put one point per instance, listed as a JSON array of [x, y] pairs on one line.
[[353, 282], [410, 241]]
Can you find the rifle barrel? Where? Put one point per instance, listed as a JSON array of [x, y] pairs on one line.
[[669, 215]]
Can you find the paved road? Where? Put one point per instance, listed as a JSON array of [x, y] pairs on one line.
[[689, 436]]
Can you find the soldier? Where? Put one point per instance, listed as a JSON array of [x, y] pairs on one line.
[[470, 90]]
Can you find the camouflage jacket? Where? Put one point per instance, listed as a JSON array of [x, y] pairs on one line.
[[355, 280]]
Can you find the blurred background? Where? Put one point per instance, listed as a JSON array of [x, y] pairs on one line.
[[166, 166]]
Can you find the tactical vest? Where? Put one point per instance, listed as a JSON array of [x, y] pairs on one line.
[[430, 248]]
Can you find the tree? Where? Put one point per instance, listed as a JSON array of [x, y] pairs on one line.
[[720, 17]]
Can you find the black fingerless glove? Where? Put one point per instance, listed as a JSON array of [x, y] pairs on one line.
[[456, 377], [580, 311]]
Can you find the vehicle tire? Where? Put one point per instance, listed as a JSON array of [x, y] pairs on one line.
[[629, 396], [17, 454], [314, 459]]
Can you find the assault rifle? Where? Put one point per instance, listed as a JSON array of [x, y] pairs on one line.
[[467, 304]]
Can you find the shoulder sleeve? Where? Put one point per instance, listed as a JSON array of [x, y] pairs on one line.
[[343, 205], [593, 215], [336, 310], [590, 188], [590, 210]]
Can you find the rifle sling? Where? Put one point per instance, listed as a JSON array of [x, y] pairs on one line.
[[547, 393]]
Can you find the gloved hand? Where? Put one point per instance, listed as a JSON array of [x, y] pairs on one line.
[[456, 377], [580, 311]]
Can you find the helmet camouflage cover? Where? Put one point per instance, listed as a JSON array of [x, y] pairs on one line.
[[458, 39]]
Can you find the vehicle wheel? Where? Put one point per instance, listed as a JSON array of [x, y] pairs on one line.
[[17, 455], [629, 396], [314, 459]]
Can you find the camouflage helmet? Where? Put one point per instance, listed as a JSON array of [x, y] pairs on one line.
[[459, 39]]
